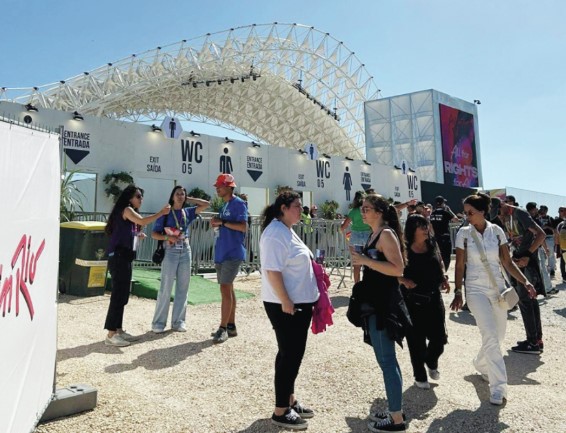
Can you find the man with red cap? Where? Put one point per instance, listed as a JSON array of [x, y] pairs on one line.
[[229, 252]]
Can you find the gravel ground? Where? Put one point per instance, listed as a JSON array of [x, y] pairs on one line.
[[181, 382]]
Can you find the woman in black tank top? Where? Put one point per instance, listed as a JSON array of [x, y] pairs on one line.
[[382, 261], [422, 281]]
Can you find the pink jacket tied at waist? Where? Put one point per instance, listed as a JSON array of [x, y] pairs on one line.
[[323, 309]]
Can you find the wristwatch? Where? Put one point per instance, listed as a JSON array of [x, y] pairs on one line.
[[223, 222]]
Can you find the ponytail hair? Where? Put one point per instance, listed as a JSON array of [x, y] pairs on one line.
[[273, 210]]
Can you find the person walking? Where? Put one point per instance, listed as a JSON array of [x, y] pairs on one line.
[[382, 261], [289, 291], [526, 237], [421, 285], [481, 247], [359, 231], [173, 230], [123, 227], [229, 252], [441, 217]]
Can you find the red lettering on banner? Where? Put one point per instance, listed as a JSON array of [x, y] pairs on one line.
[[24, 264]]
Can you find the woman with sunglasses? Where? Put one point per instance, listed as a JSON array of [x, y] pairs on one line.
[[422, 281], [123, 227], [477, 240], [173, 230], [382, 261]]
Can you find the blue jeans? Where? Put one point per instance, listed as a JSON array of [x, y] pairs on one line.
[[176, 265], [384, 348]]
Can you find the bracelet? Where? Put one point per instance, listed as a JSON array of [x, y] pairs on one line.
[[166, 238], [457, 292]]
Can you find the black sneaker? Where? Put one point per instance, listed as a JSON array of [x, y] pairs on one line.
[[232, 331], [304, 412], [526, 347], [540, 344], [220, 336], [290, 419], [378, 416], [386, 425]]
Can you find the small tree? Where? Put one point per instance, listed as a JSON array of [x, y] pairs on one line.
[[116, 182], [328, 209], [282, 188], [199, 193], [216, 203], [71, 197]]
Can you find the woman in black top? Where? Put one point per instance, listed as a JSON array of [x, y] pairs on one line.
[[382, 261], [422, 281], [124, 228]]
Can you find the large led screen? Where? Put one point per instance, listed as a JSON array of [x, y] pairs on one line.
[[459, 161]]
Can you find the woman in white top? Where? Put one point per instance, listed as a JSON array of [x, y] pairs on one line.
[[289, 291], [482, 298]]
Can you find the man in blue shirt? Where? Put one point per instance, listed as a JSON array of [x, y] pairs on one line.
[[229, 252]]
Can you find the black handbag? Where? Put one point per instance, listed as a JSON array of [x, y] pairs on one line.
[[159, 253]]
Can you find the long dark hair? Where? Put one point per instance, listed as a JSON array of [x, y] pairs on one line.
[[171, 200], [390, 216], [122, 203], [274, 210], [414, 221], [358, 200]]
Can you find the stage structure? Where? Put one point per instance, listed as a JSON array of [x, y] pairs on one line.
[[280, 84], [427, 132]]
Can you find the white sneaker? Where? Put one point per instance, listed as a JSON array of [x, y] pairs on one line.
[[157, 330], [422, 385], [181, 328], [116, 341], [433, 374], [496, 398]]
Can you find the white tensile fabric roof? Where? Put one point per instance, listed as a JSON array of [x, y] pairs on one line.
[[281, 84]]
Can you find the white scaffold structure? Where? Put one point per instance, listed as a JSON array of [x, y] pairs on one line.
[[281, 84]]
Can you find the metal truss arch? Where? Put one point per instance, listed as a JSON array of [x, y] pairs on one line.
[[282, 84]]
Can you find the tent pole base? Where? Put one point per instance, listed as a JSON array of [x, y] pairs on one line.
[[69, 401]]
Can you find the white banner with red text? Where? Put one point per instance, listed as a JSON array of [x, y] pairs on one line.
[[29, 251]]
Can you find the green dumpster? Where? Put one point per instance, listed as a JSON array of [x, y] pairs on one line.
[[82, 258]]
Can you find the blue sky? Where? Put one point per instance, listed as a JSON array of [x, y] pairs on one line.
[[509, 54]]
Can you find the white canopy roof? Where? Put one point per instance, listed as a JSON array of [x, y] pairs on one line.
[[281, 84]]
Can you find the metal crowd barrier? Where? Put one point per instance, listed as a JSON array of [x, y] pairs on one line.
[[321, 234]]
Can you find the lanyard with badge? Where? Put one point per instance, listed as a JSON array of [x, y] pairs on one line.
[[181, 228]]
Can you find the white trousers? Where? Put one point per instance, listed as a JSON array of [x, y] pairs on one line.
[[492, 322]]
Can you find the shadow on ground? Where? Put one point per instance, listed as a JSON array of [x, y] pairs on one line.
[[162, 358], [100, 347]]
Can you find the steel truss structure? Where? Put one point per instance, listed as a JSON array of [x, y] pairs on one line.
[[280, 84]]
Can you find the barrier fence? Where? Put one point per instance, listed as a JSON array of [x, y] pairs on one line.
[[321, 234]]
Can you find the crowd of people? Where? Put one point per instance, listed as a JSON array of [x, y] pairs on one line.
[[400, 274]]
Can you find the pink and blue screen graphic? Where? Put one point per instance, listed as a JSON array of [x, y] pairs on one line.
[[459, 161]]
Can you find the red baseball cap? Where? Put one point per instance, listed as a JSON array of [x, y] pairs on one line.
[[225, 180]]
